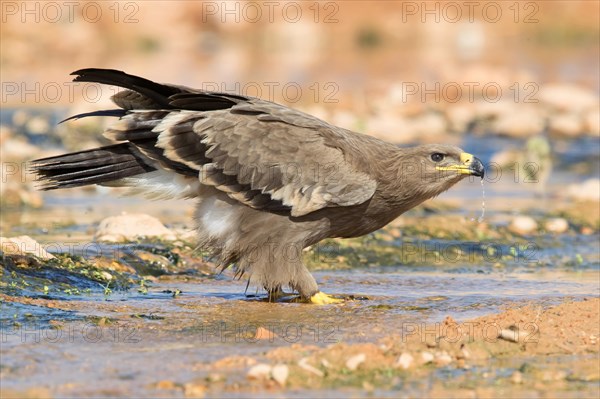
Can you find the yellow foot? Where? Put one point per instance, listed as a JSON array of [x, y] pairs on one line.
[[321, 298]]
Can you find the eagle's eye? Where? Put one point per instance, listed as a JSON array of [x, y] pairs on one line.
[[437, 157]]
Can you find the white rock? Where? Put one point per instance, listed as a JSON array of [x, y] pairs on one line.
[[22, 245], [129, 227], [259, 371], [591, 122], [566, 124], [443, 359], [566, 97], [589, 190], [355, 361], [513, 335], [556, 225], [516, 377], [405, 361], [280, 373], [426, 357], [303, 364], [38, 125], [523, 225], [524, 122], [107, 276]]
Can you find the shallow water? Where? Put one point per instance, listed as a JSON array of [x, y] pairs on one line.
[[125, 340]]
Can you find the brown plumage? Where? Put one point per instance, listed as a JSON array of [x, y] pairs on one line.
[[269, 180]]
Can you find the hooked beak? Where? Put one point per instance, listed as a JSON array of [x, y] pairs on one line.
[[469, 165]]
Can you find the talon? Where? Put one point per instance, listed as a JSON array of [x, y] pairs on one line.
[[320, 298]]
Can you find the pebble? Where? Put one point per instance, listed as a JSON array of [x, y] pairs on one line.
[[215, 377], [405, 361], [516, 377], [280, 373], [513, 335], [443, 359], [523, 225], [556, 225], [259, 371], [194, 390], [22, 245], [38, 125], [355, 361], [106, 275], [592, 122], [567, 97], [264, 334], [129, 227], [165, 384], [565, 124], [589, 190], [426, 357], [303, 364], [525, 122]]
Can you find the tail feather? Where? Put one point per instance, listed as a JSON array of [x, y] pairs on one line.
[[144, 104], [159, 93], [97, 166], [109, 112]]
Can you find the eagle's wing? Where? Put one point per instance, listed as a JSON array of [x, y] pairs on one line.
[[266, 156], [259, 153]]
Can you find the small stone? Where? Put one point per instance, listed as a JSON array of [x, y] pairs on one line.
[[129, 227], [355, 361], [523, 225], [194, 390], [589, 190], [443, 359], [516, 377], [586, 231], [264, 334], [106, 275], [565, 125], [303, 364], [22, 245], [426, 357], [567, 97], [465, 353], [259, 371], [523, 123], [215, 377], [38, 125], [405, 361], [165, 384], [280, 373], [592, 122], [556, 225], [513, 335]]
